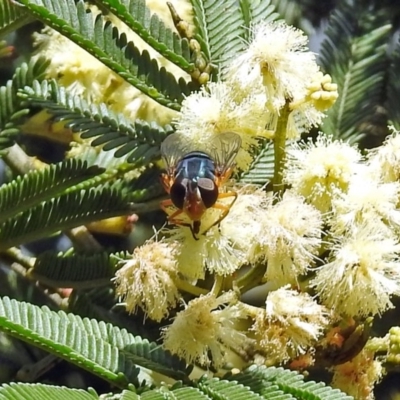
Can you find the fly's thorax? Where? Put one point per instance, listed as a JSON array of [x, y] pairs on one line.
[[195, 164], [194, 188]]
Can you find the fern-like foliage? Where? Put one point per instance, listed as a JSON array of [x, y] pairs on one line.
[[57, 334], [40, 185], [220, 30], [74, 270], [100, 38], [224, 31], [263, 383], [290, 383], [23, 391], [314, 12], [105, 350], [12, 17], [290, 11], [255, 11], [147, 186], [152, 30], [64, 212], [354, 54], [393, 89], [140, 143], [217, 387], [10, 104], [100, 303], [262, 168]]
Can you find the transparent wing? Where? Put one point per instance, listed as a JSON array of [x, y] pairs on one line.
[[173, 148], [224, 148]]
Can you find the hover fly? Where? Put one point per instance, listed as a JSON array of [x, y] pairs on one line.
[[193, 177]]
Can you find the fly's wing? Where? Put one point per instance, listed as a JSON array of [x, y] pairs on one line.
[[224, 149], [173, 148]]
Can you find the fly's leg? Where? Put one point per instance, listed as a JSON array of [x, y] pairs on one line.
[[172, 219], [164, 205], [225, 209]]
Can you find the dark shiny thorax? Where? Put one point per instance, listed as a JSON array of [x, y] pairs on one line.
[[194, 176], [195, 165]]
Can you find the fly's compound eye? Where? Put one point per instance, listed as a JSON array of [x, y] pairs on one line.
[[208, 190], [177, 193]]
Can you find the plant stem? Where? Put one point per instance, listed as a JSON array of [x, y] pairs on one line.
[[280, 150], [251, 279], [18, 160], [218, 283], [18, 256], [188, 288]]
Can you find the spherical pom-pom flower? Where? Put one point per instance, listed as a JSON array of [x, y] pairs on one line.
[[200, 332], [214, 110], [302, 118], [290, 324], [322, 170], [385, 160], [366, 200], [278, 62], [244, 225], [359, 376], [223, 250], [147, 280], [212, 251], [363, 272], [291, 237], [277, 58]]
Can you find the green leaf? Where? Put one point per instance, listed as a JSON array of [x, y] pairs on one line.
[[223, 389], [101, 348], [128, 395], [139, 142], [256, 11], [188, 393], [147, 186], [39, 185], [65, 212], [152, 30], [393, 87], [58, 334], [220, 29], [24, 391], [101, 39], [12, 17], [354, 54], [142, 352], [99, 303], [261, 169], [289, 10], [10, 104], [83, 302], [262, 379], [74, 270]]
